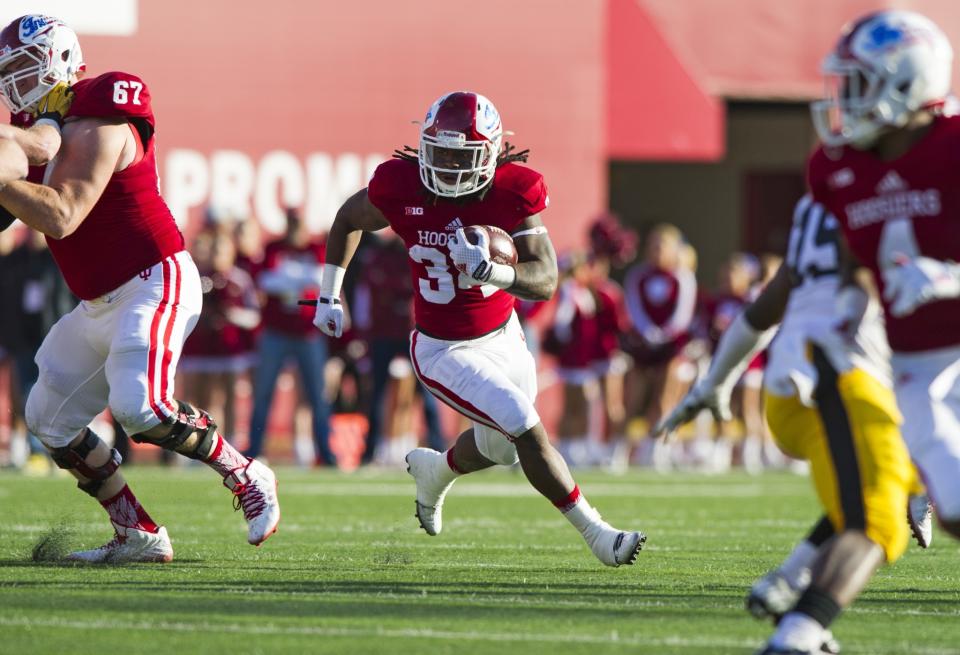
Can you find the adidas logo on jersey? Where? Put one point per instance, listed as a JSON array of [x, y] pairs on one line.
[[454, 225], [891, 182]]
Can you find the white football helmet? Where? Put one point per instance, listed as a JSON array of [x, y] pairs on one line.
[[460, 140], [36, 53], [886, 67]]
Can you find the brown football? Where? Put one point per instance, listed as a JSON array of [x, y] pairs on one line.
[[502, 249]]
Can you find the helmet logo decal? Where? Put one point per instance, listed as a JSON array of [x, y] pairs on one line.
[[31, 26], [883, 36], [491, 117]]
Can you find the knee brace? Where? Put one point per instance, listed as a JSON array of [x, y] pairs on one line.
[[75, 458], [187, 423]]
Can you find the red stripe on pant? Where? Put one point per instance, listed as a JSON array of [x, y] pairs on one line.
[[167, 353], [449, 397], [154, 338]]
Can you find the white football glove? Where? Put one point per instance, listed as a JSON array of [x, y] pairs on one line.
[[911, 283], [704, 395], [329, 316], [472, 260]]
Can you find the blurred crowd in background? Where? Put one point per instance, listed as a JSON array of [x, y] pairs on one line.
[[627, 333]]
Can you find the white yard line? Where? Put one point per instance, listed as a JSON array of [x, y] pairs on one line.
[[510, 490], [613, 638]]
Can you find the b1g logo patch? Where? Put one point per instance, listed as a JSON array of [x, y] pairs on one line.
[[413, 211]]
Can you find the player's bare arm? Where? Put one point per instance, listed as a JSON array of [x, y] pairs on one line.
[[40, 142], [536, 265], [93, 150], [356, 216], [767, 310], [13, 162]]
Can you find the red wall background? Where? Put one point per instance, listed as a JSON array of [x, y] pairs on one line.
[[296, 102]]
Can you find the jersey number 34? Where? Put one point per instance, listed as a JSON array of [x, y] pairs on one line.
[[439, 286]]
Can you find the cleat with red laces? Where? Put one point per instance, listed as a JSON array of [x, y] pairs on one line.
[[254, 488], [129, 545]]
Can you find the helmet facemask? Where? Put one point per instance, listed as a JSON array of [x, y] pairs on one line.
[[451, 166], [852, 111]]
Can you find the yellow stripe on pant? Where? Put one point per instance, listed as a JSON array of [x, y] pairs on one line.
[[860, 465]]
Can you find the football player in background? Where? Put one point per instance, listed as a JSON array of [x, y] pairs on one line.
[[889, 170], [121, 252], [467, 347], [835, 409]]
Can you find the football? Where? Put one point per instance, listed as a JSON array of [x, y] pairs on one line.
[[502, 248]]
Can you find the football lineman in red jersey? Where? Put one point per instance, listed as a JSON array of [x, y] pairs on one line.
[[122, 254], [467, 347]]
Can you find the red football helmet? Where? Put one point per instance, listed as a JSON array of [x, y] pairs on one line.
[[460, 140], [36, 53]]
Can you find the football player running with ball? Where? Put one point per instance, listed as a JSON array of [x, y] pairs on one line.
[[467, 347], [122, 254]]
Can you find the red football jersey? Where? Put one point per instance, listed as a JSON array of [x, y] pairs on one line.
[[446, 307], [909, 206], [130, 228]]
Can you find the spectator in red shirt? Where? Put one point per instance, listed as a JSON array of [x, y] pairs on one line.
[[661, 297], [291, 270], [216, 352], [383, 314]]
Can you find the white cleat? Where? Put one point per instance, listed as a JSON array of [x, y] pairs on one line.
[[127, 546], [254, 489], [615, 548], [920, 518], [433, 477], [772, 596]]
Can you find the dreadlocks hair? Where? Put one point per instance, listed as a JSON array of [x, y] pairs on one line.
[[506, 155]]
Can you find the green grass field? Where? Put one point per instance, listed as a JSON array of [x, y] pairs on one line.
[[350, 572]]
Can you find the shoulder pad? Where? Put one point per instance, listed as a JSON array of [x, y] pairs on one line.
[[392, 179], [526, 183], [112, 95]]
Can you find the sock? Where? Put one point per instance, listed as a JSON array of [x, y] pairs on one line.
[[578, 511], [124, 509], [452, 471], [822, 531], [818, 605], [796, 568], [225, 458], [798, 631]]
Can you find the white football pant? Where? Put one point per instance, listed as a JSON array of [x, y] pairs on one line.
[[118, 351], [491, 380], [927, 385]]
